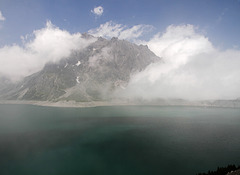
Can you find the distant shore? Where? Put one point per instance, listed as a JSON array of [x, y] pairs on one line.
[[74, 104], [66, 103]]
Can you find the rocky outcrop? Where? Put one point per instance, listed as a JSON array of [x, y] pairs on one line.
[[91, 74]]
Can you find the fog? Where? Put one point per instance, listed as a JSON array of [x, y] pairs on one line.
[[49, 44], [191, 68]]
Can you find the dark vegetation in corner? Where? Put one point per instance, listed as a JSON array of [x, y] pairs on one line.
[[222, 170]]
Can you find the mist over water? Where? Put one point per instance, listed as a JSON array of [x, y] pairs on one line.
[[117, 140], [174, 64], [191, 67]]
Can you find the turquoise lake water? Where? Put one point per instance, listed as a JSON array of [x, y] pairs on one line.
[[130, 140]]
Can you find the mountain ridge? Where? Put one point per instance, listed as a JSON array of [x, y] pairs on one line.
[[91, 77], [90, 74]]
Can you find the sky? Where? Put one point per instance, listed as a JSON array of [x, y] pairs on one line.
[[198, 40], [218, 19]]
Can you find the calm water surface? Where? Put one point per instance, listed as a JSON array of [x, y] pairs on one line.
[[117, 140]]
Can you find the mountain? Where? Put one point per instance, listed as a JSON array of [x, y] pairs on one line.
[[5, 84], [91, 74]]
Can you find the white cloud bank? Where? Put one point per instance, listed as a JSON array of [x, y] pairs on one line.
[[2, 18], [97, 11], [111, 29], [191, 69], [49, 44]]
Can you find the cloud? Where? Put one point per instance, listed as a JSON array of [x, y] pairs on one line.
[[191, 68], [97, 11], [111, 29], [2, 18], [49, 44]]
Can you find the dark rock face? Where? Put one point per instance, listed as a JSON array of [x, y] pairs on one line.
[[87, 75]]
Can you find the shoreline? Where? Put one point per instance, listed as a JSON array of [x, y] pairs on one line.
[[74, 104], [66, 104]]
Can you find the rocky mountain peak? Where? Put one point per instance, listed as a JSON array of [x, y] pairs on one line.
[[90, 74]]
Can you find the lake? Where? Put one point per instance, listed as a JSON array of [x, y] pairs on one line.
[[119, 140]]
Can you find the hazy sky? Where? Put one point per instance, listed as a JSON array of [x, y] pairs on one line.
[[198, 40]]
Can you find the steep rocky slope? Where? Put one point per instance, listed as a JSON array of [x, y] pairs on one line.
[[91, 74]]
